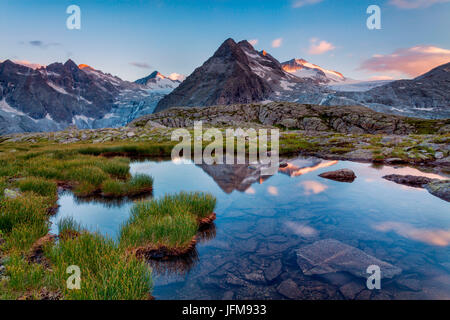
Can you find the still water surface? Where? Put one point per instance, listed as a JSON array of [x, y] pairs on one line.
[[261, 221]]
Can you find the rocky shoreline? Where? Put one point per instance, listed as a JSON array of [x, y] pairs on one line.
[[336, 133]]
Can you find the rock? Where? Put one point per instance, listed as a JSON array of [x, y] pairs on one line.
[[364, 295], [440, 189], [360, 154], [439, 155], [131, 134], [154, 124], [273, 271], [342, 175], [255, 276], [326, 256], [229, 295], [409, 180], [351, 289], [410, 284], [11, 194], [395, 161], [289, 123], [391, 140], [445, 162], [283, 165], [289, 289]]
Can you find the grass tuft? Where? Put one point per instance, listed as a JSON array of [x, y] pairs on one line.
[[107, 273], [171, 221], [39, 186]]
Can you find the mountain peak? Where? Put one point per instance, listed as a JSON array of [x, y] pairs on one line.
[[246, 44], [155, 74], [236, 73], [304, 69], [70, 64]]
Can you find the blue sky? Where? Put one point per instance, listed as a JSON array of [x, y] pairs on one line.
[[131, 38]]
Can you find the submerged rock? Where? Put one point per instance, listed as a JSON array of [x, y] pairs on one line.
[[408, 180], [342, 175], [440, 188], [289, 289], [273, 270], [329, 256]]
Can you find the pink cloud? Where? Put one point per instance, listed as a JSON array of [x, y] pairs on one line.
[[374, 78], [320, 47], [411, 61], [414, 4], [273, 190], [253, 42], [301, 3], [437, 237], [29, 64], [313, 187], [277, 43]]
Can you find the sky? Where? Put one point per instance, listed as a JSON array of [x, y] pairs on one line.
[[132, 38]]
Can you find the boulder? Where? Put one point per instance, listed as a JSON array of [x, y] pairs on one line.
[[330, 255], [342, 175], [289, 289], [440, 188], [273, 270], [11, 194]]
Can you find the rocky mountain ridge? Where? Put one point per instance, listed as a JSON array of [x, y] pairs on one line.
[[53, 97], [237, 73], [345, 119]]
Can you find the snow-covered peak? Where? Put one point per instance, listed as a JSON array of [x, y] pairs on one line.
[[158, 82], [304, 69]]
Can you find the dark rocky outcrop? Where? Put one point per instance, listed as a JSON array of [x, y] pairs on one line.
[[344, 119], [342, 175], [409, 180], [440, 189]]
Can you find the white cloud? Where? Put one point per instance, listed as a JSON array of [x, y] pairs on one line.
[[320, 47], [414, 4], [277, 43], [301, 3]]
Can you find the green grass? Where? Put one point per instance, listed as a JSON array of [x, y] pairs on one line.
[[23, 235], [171, 221], [107, 273], [28, 209], [38, 185], [138, 184], [25, 278], [68, 224], [142, 149]]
